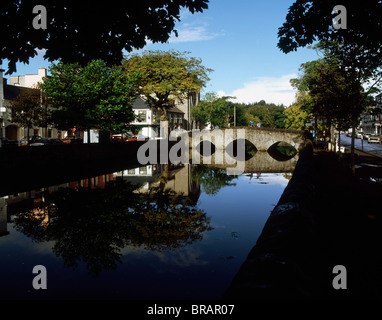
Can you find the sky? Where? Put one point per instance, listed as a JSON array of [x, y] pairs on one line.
[[238, 40]]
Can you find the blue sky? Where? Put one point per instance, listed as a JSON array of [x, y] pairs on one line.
[[238, 39]]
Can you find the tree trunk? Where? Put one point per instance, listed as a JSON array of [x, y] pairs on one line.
[[315, 130], [352, 156], [339, 141]]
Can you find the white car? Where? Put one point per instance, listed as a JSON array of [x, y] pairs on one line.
[[375, 138]]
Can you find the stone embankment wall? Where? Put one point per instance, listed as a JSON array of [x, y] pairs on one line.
[[280, 264]]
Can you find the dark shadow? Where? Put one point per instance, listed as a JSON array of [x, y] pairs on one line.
[[241, 149], [206, 148], [282, 151]]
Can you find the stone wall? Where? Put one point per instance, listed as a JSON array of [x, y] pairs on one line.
[[280, 264]]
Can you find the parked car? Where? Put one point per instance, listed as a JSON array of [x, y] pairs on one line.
[[375, 138], [118, 138], [137, 137], [73, 139], [44, 142], [23, 142], [366, 136], [6, 143]]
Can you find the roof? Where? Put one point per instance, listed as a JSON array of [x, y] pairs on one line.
[[11, 92], [174, 110], [139, 103]]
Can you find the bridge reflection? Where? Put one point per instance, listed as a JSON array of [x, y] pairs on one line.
[[261, 162]]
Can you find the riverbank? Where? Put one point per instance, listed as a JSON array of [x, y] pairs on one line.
[[326, 217], [26, 168], [347, 212]]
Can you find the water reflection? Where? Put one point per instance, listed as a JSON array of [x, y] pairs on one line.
[[92, 222], [158, 231], [212, 179]]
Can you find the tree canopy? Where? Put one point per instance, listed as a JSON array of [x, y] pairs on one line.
[[90, 97], [328, 89], [215, 110], [358, 46], [28, 109], [166, 76], [82, 31]]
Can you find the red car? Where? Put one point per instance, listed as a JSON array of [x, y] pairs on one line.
[[137, 137], [119, 139]]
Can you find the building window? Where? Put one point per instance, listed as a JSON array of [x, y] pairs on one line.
[[142, 116]]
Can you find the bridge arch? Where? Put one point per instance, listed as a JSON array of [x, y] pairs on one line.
[[261, 138]]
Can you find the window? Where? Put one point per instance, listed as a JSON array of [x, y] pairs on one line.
[[142, 116]]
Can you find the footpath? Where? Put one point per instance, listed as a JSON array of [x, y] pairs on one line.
[[348, 218]]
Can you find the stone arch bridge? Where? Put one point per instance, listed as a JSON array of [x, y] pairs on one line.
[[261, 138]]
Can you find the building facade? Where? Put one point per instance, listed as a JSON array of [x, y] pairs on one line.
[[8, 92], [179, 116], [147, 122], [371, 120]]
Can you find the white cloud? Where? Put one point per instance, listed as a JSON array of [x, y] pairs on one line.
[[271, 89], [193, 33]]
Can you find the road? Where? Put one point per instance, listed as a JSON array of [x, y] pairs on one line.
[[372, 147]]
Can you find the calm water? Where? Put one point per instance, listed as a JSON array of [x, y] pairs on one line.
[[154, 232]]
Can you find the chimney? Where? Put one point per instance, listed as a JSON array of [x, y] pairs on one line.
[[42, 72]]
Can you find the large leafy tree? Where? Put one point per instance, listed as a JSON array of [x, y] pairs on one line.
[[268, 114], [335, 92], [357, 47], [218, 111], [308, 21], [296, 117], [82, 31], [167, 76], [29, 109], [91, 97], [330, 91]]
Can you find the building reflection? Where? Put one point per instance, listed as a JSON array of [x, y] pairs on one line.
[[153, 178], [148, 179]]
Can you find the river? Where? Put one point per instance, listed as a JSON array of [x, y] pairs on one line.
[[152, 232]]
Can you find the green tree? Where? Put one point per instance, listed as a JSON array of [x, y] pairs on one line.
[[336, 92], [308, 21], [357, 48], [93, 96], [218, 111], [82, 31], [296, 117], [166, 77], [29, 109], [269, 115]]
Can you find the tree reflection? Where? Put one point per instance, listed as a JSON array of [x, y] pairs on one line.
[[93, 225], [212, 179]]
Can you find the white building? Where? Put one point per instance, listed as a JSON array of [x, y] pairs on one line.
[[8, 92], [28, 80], [179, 116]]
